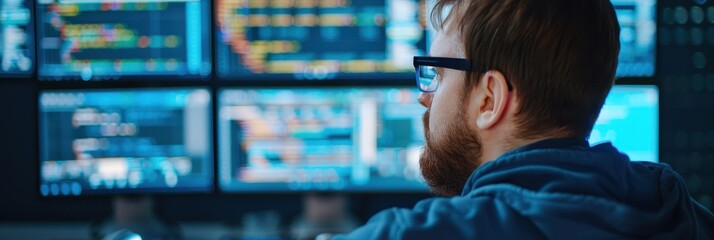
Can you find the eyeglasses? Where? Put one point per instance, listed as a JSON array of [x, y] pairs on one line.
[[425, 68]]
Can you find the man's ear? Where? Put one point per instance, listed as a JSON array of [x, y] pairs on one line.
[[494, 100]]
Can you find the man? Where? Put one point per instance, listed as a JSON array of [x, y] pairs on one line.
[[512, 90]]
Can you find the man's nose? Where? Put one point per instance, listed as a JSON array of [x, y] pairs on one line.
[[425, 99]]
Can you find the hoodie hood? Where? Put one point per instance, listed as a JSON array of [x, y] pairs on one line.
[[565, 184]]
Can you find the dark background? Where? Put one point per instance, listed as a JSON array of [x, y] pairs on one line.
[[685, 66], [685, 73]]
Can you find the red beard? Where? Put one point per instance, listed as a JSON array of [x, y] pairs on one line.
[[447, 164]]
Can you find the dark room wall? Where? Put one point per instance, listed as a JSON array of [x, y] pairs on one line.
[[686, 72]]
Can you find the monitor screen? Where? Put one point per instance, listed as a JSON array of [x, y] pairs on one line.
[[123, 39], [17, 38], [637, 37], [320, 140], [125, 141], [277, 140], [315, 40], [630, 120]]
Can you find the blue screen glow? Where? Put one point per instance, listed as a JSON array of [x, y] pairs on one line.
[[630, 120], [17, 38], [320, 139], [637, 37], [113, 142]]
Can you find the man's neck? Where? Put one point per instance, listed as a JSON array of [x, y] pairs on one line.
[[494, 149]]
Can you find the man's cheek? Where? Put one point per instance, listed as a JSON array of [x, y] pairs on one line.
[[435, 125]]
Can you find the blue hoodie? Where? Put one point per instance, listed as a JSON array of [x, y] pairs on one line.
[[555, 189]]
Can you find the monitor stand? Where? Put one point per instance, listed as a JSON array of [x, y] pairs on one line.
[[134, 218], [323, 212]]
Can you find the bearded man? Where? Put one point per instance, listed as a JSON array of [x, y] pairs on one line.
[[512, 90]]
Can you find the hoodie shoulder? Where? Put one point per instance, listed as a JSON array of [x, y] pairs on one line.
[[555, 190], [457, 218]]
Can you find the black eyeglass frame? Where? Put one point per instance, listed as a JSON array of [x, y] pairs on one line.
[[450, 63]]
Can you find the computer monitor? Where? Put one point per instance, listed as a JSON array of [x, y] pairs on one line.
[[315, 40], [125, 142], [17, 38], [637, 37], [123, 39], [276, 140], [368, 140], [630, 120]]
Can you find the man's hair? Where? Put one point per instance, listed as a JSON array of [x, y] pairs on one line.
[[560, 56]]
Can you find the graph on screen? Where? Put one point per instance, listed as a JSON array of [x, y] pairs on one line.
[[17, 39], [320, 139], [315, 40], [109, 40], [132, 141]]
